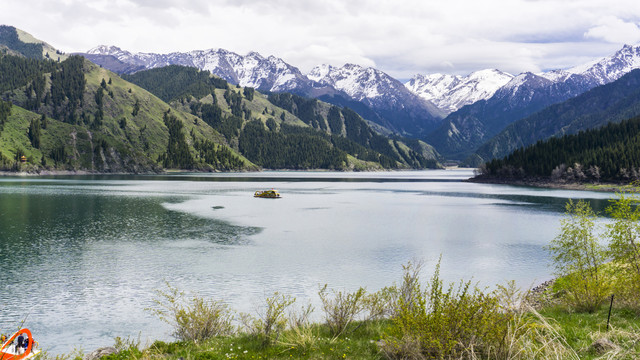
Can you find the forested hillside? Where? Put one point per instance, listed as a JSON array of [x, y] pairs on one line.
[[184, 82], [610, 153], [283, 130], [9, 38], [73, 115]]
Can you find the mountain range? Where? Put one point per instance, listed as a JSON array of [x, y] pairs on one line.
[[466, 129], [610, 103], [385, 99], [71, 114], [451, 92], [456, 114]]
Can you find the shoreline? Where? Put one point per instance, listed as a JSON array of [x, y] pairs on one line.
[[548, 184], [183, 171]]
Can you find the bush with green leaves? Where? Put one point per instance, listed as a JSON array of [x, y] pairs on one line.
[[271, 321], [192, 318], [578, 258], [461, 321]]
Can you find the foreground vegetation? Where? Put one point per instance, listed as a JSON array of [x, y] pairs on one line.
[[570, 319]]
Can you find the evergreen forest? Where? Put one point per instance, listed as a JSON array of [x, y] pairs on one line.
[[610, 153]]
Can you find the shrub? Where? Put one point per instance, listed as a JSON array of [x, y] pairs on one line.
[[624, 244], [272, 321], [192, 318], [342, 308], [439, 324]]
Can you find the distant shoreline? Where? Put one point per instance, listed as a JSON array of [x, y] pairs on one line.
[[548, 184], [181, 171]]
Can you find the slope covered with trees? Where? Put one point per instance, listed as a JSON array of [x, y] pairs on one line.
[[609, 153], [73, 115], [9, 38], [283, 130], [185, 82]]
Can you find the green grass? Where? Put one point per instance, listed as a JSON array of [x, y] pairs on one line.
[[580, 330], [316, 343]]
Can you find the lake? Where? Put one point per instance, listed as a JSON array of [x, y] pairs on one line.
[[82, 256]]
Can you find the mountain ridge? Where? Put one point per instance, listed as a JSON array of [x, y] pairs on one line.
[[452, 92], [74, 115], [612, 102], [462, 132], [399, 109]]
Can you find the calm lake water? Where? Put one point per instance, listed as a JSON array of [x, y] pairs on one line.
[[81, 257]]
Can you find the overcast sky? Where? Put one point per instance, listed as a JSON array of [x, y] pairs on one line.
[[400, 37]]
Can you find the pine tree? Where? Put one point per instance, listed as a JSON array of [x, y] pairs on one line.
[[34, 133]]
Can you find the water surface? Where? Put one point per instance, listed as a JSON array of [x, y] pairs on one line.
[[81, 256]]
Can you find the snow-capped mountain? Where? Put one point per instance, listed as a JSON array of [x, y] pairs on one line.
[[379, 91], [363, 84], [253, 70], [451, 92], [611, 67], [385, 99], [466, 129], [413, 109]]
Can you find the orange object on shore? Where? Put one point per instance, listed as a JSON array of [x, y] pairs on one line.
[[8, 351]]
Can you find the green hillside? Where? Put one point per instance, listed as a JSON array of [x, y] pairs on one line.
[[283, 130], [74, 115], [609, 153]]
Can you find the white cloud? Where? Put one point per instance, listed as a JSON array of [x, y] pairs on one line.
[[614, 30], [401, 38]]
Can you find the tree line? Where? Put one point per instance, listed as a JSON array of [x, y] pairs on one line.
[[62, 101], [607, 153], [175, 82], [9, 37], [5, 111]]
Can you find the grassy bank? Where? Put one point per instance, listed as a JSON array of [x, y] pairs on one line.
[[555, 331], [575, 337]]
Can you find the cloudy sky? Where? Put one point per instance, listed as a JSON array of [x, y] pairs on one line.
[[400, 37]]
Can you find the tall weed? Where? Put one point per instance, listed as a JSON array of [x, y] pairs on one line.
[[342, 309]]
